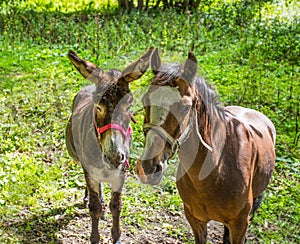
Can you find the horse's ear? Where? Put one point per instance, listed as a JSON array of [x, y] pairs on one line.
[[136, 69], [87, 69], [189, 73], [155, 61], [190, 68]]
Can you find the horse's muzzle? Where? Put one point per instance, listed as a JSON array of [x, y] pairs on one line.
[[149, 173]]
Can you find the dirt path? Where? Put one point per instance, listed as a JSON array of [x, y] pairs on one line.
[[78, 231]]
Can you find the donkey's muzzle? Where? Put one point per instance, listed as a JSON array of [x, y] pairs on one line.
[[116, 158]]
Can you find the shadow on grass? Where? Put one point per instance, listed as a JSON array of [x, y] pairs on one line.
[[41, 228]]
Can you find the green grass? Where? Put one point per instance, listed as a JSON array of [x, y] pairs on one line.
[[251, 61]]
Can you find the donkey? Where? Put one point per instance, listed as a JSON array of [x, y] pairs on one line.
[[226, 154], [98, 134]]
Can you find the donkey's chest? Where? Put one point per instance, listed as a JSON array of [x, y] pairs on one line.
[[104, 174]]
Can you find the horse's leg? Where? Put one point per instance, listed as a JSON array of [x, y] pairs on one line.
[[115, 208], [95, 206], [226, 236], [238, 229], [199, 227]]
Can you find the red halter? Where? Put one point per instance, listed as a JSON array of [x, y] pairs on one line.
[[118, 127]]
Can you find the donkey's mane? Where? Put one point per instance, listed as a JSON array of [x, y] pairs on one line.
[[167, 74], [110, 93]]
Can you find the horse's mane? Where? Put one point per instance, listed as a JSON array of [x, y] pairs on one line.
[[167, 74], [209, 97]]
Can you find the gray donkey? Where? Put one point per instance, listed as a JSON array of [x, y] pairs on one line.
[[98, 134]]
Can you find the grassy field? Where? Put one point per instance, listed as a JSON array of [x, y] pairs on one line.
[[248, 51]]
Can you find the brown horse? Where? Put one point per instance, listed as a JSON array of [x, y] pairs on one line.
[[98, 134], [226, 154]]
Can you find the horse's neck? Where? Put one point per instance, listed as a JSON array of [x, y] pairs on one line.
[[203, 124], [201, 151]]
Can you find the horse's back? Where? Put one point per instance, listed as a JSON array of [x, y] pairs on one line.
[[263, 133], [258, 122]]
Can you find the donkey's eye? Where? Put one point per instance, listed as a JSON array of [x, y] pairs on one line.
[[100, 109]]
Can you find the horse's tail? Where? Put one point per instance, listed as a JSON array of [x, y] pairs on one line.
[[256, 204]]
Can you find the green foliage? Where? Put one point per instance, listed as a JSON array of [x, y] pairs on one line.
[[250, 57]]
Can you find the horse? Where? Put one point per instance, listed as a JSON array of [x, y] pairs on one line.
[[226, 154], [98, 134]]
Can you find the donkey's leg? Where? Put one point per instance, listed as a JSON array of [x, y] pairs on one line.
[[102, 201], [86, 200], [95, 206], [115, 208], [199, 227], [226, 236]]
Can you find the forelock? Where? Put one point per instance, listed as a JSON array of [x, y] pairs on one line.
[[167, 74]]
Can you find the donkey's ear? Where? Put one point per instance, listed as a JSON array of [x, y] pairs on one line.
[[155, 61], [190, 68], [136, 69], [87, 69]]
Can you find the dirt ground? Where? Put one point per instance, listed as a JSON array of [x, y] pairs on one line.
[[78, 231]]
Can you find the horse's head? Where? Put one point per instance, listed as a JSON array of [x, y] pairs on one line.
[[112, 102], [169, 106]]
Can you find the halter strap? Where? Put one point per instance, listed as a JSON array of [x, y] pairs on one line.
[[174, 143], [116, 126], [161, 131]]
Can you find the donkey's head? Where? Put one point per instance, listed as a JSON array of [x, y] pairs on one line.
[[168, 104], [112, 102]]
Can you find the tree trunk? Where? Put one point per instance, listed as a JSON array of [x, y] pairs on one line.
[[140, 5]]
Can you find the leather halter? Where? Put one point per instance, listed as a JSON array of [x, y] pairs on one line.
[[174, 143]]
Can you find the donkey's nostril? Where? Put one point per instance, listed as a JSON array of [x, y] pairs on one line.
[[122, 157], [158, 168]]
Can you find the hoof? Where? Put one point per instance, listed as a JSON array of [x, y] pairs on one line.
[[86, 202], [95, 239], [118, 242]]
